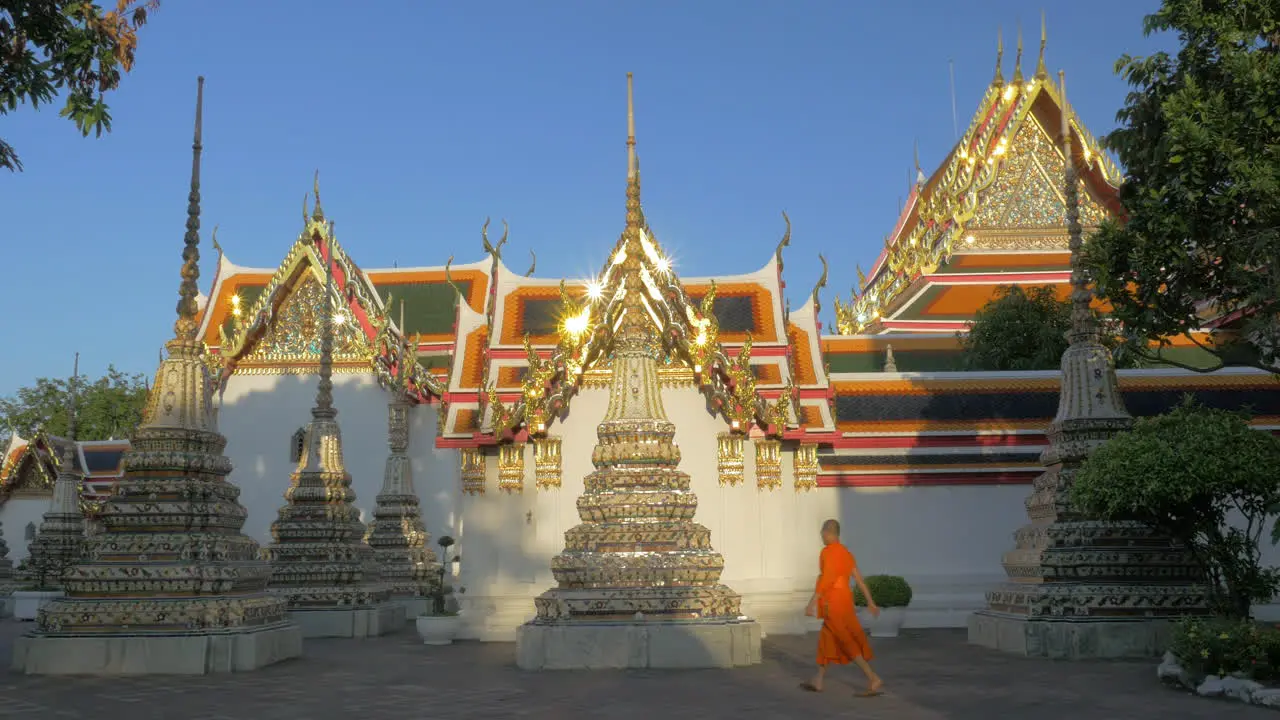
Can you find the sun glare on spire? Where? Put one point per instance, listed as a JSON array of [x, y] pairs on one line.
[[594, 290], [663, 265]]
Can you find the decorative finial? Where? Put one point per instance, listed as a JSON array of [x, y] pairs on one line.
[[920, 178], [533, 265], [890, 363], [318, 213], [214, 241], [1017, 63], [999, 79], [185, 328], [72, 396], [631, 129], [1042, 72], [784, 242], [633, 162]]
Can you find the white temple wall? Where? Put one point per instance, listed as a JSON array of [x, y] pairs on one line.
[[947, 541], [16, 513], [260, 413]]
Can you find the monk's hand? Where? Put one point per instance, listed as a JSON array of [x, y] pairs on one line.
[[812, 609], [874, 610]]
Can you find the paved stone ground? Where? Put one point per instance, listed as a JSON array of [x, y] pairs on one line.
[[931, 675]]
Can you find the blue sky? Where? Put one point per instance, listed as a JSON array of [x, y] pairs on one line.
[[425, 117]]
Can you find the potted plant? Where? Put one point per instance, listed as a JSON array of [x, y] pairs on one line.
[[892, 594], [440, 625]]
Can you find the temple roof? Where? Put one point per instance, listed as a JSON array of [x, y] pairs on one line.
[[992, 214]]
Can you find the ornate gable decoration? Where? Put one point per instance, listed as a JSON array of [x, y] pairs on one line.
[[638, 285], [1003, 142], [291, 341], [279, 332], [32, 468]]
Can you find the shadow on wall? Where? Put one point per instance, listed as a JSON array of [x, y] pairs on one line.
[[261, 413]]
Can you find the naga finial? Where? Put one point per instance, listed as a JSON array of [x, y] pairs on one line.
[[448, 277], [214, 241], [822, 282], [533, 265], [494, 251], [784, 242]]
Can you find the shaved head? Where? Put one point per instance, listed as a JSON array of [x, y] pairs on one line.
[[831, 526]]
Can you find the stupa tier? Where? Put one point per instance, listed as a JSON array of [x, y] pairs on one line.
[[1080, 587], [638, 549], [638, 584], [320, 562], [170, 585], [397, 534]]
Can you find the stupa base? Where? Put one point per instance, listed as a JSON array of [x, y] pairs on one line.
[[1071, 639], [671, 644], [414, 605], [360, 621], [177, 654]]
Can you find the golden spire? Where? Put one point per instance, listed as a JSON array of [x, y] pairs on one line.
[[1017, 63], [185, 327], [999, 79], [317, 214], [1042, 72]]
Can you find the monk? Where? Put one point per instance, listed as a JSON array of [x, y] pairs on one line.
[[842, 640]]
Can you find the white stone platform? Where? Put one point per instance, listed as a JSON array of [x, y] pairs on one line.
[[179, 654], [1065, 639], [599, 646], [413, 606], [350, 622]]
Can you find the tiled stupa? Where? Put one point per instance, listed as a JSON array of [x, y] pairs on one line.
[[171, 585], [319, 560], [396, 534], [1080, 587], [638, 581], [59, 542]]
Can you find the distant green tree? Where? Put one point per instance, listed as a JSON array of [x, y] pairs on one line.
[[1021, 330], [1200, 141], [52, 47], [108, 407]]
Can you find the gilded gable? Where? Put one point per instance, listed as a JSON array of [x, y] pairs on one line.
[[1027, 193], [292, 338]]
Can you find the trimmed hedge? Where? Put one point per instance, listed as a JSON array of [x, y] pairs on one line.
[[887, 590]]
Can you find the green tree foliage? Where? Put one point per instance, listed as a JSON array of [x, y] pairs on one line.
[[66, 47], [1187, 472], [1021, 330], [1200, 139], [108, 407]]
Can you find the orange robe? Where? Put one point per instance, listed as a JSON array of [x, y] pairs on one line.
[[842, 638]]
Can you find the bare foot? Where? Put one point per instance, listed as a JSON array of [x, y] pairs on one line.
[[812, 686], [875, 688]]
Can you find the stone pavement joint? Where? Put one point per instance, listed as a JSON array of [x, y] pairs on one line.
[[930, 674]]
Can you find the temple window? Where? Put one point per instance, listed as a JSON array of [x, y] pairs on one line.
[[31, 531]]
